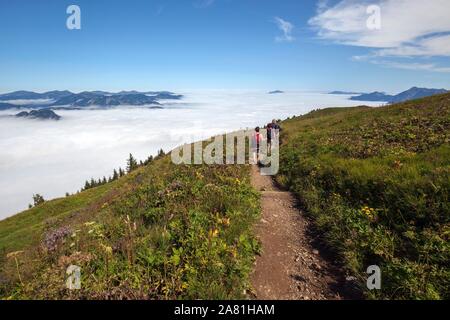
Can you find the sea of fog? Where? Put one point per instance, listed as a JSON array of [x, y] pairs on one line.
[[55, 157]]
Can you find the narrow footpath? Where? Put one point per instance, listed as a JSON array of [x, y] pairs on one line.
[[291, 266]]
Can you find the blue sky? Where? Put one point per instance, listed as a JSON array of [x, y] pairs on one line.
[[223, 44]]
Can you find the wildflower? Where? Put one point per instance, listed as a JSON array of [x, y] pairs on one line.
[[107, 249], [14, 254], [369, 212], [213, 233], [199, 175], [53, 238], [398, 164]]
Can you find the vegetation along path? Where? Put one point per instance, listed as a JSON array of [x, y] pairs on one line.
[[291, 266]]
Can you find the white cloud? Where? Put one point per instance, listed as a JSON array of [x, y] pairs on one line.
[[286, 27], [409, 28], [409, 65], [432, 46]]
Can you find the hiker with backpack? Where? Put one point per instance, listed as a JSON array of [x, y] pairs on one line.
[[269, 137], [273, 132], [275, 128]]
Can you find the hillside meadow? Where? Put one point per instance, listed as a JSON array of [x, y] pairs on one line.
[[161, 232], [374, 181]]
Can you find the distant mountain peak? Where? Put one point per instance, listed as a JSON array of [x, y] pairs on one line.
[[88, 98], [44, 114], [410, 94], [344, 92]]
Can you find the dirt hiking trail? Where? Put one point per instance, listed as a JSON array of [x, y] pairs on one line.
[[291, 265]]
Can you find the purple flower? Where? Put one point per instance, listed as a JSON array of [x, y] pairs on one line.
[[54, 237]]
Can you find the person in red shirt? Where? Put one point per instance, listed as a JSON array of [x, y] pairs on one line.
[[256, 144]]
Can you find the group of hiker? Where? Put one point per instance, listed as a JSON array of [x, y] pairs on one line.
[[273, 129]]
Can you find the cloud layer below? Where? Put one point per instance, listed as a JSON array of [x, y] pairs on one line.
[[54, 157]]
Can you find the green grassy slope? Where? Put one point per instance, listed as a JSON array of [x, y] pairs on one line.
[[161, 232], [377, 181], [25, 228]]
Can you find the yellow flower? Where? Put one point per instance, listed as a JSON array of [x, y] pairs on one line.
[[13, 254], [107, 249], [213, 233], [199, 175]]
